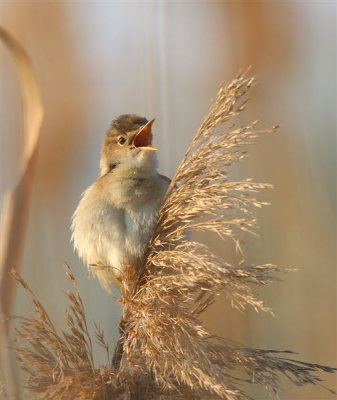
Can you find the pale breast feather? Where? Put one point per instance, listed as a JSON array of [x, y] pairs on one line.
[[98, 231]]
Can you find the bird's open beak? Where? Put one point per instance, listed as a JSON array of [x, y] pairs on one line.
[[143, 138]]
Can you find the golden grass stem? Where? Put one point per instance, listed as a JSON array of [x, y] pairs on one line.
[[14, 213]]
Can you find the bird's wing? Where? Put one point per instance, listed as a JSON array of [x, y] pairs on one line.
[[165, 178]]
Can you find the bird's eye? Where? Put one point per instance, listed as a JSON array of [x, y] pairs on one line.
[[121, 140]]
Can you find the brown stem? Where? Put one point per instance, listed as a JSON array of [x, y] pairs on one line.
[[119, 348]]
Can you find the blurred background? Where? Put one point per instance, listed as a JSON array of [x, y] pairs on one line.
[[97, 60]]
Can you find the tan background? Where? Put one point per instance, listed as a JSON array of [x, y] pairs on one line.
[[96, 60]]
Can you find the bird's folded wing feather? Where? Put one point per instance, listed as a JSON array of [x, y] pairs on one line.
[[165, 178]]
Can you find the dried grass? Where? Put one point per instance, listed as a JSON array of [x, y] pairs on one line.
[[60, 364], [14, 210], [164, 351]]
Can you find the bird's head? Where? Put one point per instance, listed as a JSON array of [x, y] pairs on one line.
[[128, 144]]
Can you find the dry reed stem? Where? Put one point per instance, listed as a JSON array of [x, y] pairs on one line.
[[2, 388], [16, 203], [14, 212], [167, 352]]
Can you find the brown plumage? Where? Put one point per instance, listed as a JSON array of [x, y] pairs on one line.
[[117, 214]]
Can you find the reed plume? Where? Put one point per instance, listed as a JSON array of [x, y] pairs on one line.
[[164, 351]]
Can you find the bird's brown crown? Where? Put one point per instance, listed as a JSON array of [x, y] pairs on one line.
[[127, 123]]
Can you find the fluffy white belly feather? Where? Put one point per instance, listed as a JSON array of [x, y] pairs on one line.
[[107, 237]]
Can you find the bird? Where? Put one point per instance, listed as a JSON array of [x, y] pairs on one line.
[[117, 214]]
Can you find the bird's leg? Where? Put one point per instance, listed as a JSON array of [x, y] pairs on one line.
[[119, 348]]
